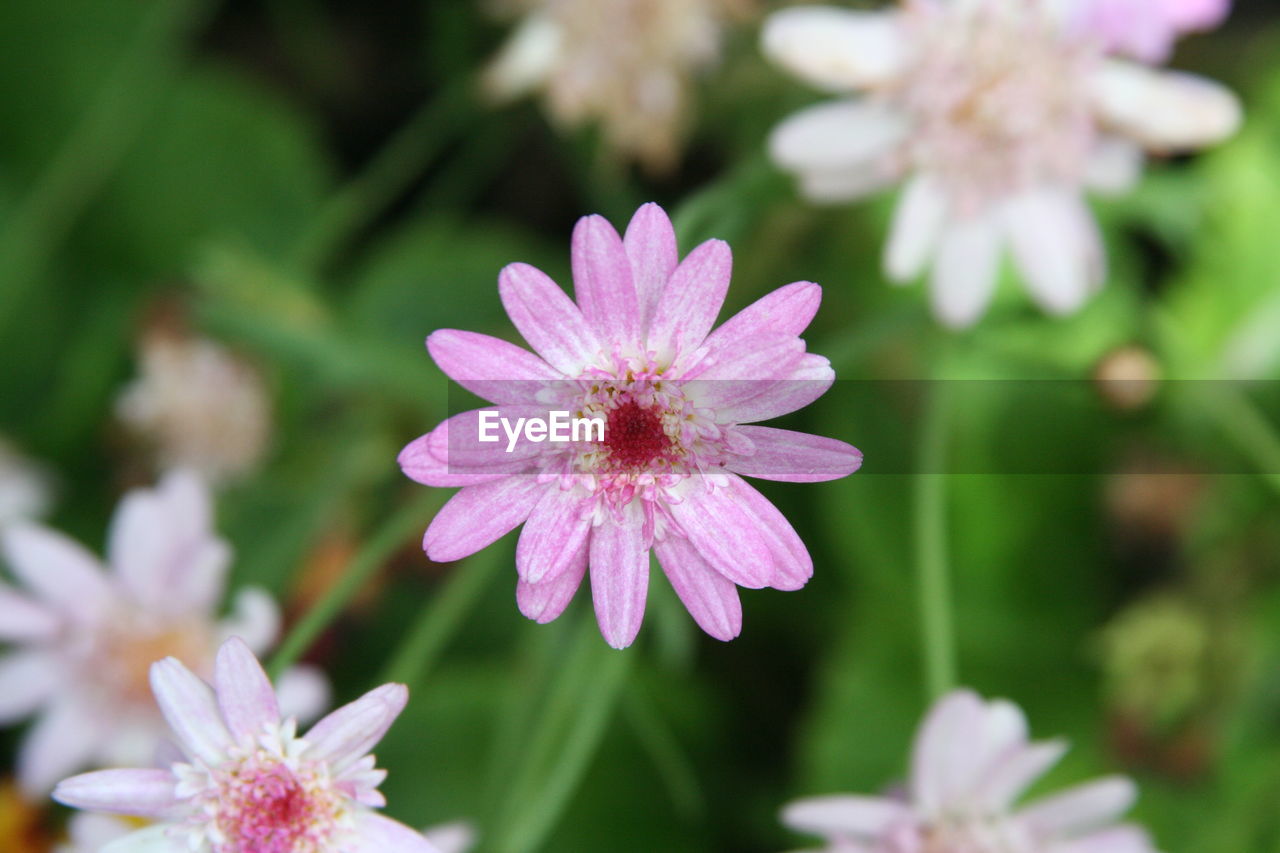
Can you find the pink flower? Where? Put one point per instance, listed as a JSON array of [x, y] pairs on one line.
[[87, 634], [637, 352], [971, 763], [997, 116], [248, 783], [1147, 29]]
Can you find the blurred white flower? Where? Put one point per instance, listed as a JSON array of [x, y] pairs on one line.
[[1146, 29], [25, 487], [998, 115], [457, 837], [628, 64], [197, 406], [86, 634]]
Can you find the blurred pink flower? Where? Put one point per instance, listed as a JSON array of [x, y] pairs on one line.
[[972, 761], [248, 783], [997, 116], [636, 350], [1147, 29], [87, 634]]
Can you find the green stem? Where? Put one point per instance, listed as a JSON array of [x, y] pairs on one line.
[[394, 532], [934, 586], [397, 165], [1248, 428]]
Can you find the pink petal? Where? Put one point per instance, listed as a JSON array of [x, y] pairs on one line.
[[23, 620], [191, 710], [619, 558], [553, 534], [790, 559], [809, 380], [795, 457], [374, 833], [1082, 808], [1009, 778], [245, 694], [650, 243], [62, 741], [489, 367], [691, 300], [770, 357], [547, 318], [480, 515], [711, 598], [457, 440], [545, 601], [58, 570], [724, 534], [1117, 839], [786, 311], [420, 460], [27, 680], [842, 815], [141, 793], [346, 735], [602, 282]]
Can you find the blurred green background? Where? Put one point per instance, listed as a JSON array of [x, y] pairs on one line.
[[316, 185]]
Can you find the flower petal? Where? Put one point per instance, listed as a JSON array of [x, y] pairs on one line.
[[837, 49], [619, 555], [1165, 111], [545, 601], [64, 739], [374, 833], [141, 793], [1008, 779], [602, 282], [490, 367], [456, 837], [245, 695], [691, 300], [1115, 165], [723, 533], [421, 461], [58, 570], [1057, 257], [346, 735], [786, 311], [525, 60], [254, 618], [837, 135], [27, 680], [650, 243], [478, 516], [808, 380], [964, 272], [189, 706], [553, 534], [457, 441], [795, 457], [843, 815], [917, 226], [1125, 838], [943, 747], [547, 318], [711, 598], [303, 693], [1085, 807], [792, 565], [837, 186], [23, 620], [153, 839]]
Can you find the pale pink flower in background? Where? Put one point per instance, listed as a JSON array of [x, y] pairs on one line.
[[637, 351], [86, 634], [628, 64], [26, 489], [972, 762], [247, 783], [1146, 29], [998, 116], [196, 405]]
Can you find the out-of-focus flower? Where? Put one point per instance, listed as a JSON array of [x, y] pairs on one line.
[[1127, 378], [456, 837], [1146, 29], [1156, 657], [197, 406], [247, 781], [25, 488], [971, 763], [998, 116], [86, 634], [628, 64], [637, 354]]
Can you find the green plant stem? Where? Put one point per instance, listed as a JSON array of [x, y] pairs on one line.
[[440, 620], [1239, 420], [393, 533], [933, 580]]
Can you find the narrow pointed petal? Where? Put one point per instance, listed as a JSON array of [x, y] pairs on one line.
[[553, 534], [245, 694], [650, 243], [1165, 111], [349, 733], [837, 135], [478, 516], [842, 815], [1085, 807], [795, 457], [602, 282], [1052, 251], [375, 833], [63, 740], [59, 571], [619, 568], [916, 229], [23, 620], [724, 534], [426, 460], [837, 49], [189, 706], [545, 601], [965, 270], [547, 318], [711, 598], [27, 680], [786, 311], [141, 793], [809, 380], [792, 565], [767, 358], [688, 307], [458, 441], [490, 367]]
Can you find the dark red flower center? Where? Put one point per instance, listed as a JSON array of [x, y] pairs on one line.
[[634, 435]]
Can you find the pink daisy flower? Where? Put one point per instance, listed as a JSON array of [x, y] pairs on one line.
[[86, 634], [636, 351], [1147, 29], [248, 783], [997, 116], [972, 761]]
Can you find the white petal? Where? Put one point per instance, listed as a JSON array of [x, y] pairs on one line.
[[457, 837], [525, 60], [839, 815], [143, 793], [91, 832], [27, 679], [842, 185], [346, 735], [374, 833], [965, 270], [1009, 778], [190, 707], [837, 136], [1054, 248], [61, 742], [1166, 111], [1082, 808], [255, 618], [1114, 166], [917, 225], [153, 839], [245, 695], [303, 693], [23, 619], [57, 569], [837, 49]]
